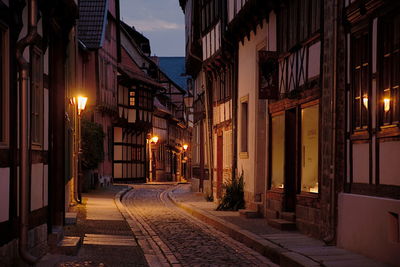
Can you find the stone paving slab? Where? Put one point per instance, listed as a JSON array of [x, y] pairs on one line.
[[282, 247], [108, 239]]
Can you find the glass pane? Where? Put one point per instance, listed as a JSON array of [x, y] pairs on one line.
[[278, 151], [309, 146]]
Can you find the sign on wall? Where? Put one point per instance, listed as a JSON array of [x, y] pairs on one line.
[[268, 73]]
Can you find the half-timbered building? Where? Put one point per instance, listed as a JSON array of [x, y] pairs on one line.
[[369, 208], [34, 71]]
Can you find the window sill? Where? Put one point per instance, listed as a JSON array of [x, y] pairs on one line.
[[388, 131], [244, 155], [360, 135]]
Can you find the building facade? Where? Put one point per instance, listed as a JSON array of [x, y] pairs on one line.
[[314, 117], [35, 182], [372, 73]]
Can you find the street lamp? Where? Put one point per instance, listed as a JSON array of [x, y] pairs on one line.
[[185, 147], [184, 161], [152, 166], [80, 103]]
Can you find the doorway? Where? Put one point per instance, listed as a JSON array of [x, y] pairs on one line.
[[291, 159]]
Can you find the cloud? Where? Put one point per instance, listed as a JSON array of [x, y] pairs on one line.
[[150, 25]]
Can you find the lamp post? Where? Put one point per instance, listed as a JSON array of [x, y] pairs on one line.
[[185, 159], [80, 103], [152, 166]]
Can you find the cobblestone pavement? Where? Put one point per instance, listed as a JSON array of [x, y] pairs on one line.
[[182, 239]]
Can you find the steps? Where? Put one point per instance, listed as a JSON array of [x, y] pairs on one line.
[[69, 245], [285, 221], [70, 218], [249, 214], [282, 224]]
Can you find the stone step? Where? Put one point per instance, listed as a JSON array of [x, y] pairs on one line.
[[55, 236], [69, 245], [288, 216], [70, 218], [249, 213], [282, 224]]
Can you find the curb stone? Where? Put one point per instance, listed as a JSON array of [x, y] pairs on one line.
[[275, 253]]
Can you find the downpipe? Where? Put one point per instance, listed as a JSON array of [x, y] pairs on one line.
[[25, 132]]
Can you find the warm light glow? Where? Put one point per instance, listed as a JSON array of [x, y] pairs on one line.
[[314, 189], [386, 104], [365, 101], [154, 139], [81, 103], [185, 147]]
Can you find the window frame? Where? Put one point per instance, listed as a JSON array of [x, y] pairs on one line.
[[37, 94], [356, 36], [4, 86], [386, 22], [244, 125]]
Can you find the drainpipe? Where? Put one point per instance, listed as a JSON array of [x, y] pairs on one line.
[[25, 133]]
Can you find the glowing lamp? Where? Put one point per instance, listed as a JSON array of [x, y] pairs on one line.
[[154, 139], [81, 103], [365, 101], [386, 104], [185, 147]]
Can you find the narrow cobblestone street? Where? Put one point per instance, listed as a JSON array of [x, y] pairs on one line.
[[182, 239]]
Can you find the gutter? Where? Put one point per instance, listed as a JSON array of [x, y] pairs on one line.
[[25, 132]]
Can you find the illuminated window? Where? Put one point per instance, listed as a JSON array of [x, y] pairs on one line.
[[132, 100], [278, 151], [389, 103], [360, 69], [309, 149]]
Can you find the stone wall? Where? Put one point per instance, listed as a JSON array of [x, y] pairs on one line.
[[37, 244]]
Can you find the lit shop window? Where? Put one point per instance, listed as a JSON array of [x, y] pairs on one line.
[[309, 149], [278, 151]]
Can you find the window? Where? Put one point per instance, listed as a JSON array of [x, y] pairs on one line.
[[3, 88], [309, 149], [209, 13], [145, 100], [390, 70], [278, 151], [298, 21], [132, 98], [244, 127], [360, 69], [222, 85], [37, 95]]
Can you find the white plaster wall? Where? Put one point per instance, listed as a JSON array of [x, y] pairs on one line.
[[46, 185], [248, 85], [37, 186], [389, 169], [4, 194], [364, 226], [361, 163]]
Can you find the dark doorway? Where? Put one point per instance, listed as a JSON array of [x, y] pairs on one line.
[[291, 140]]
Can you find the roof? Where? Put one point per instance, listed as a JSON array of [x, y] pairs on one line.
[[139, 38], [92, 22], [174, 68], [129, 66]]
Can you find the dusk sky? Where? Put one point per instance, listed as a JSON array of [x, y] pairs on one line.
[[162, 21]]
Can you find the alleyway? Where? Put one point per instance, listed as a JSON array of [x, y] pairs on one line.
[[180, 238]]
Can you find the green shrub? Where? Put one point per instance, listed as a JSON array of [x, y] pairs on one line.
[[233, 199], [92, 144]]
